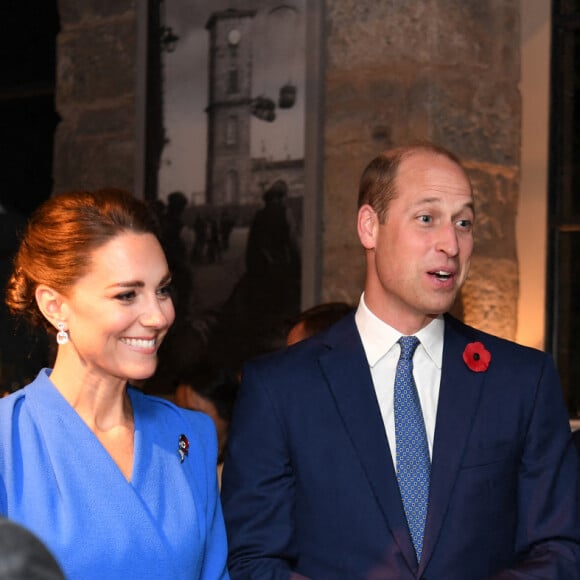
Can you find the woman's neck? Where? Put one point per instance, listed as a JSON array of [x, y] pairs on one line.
[[102, 401]]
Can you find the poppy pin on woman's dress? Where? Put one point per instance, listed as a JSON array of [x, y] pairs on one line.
[[183, 448]]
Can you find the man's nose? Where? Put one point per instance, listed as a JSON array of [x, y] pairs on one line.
[[447, 240]]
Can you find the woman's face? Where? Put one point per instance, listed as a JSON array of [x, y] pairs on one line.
[[120, 311]]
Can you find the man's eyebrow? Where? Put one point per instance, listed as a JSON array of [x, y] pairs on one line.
[[436, 200]]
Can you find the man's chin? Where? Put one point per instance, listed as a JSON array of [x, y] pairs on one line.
[[443, 306]]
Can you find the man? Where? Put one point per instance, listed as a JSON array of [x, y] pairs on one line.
[[327, 433]]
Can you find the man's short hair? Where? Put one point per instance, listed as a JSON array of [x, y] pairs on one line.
[[377, 186]]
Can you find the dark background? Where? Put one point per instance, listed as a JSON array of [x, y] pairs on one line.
[[27, 111], [27, 124]]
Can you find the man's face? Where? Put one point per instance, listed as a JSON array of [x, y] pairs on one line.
[[418, 259]]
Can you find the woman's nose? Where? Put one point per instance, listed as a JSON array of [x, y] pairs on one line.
[[158, 314]]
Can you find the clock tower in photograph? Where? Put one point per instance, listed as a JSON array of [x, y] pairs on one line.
[[228, 173]]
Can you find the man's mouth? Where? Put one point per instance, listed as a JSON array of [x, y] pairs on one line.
[[441, 274]]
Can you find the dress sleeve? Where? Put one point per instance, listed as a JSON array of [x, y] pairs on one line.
[[214, 566]]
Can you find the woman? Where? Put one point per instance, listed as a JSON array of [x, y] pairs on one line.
[[116, 483]]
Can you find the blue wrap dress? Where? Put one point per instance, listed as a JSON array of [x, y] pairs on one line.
[[57, 480]]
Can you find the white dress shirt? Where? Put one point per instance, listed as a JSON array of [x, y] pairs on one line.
[[382, 351]]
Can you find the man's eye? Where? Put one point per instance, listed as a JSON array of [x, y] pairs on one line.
[[465, 224], [425, 219]]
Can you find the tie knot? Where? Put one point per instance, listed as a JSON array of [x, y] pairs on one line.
[[408, 346]]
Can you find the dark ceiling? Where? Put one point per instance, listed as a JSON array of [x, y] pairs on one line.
[[27, 112]]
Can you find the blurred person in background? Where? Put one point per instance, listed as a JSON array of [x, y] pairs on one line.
[[23, 556], [315, 319], [212, 391]]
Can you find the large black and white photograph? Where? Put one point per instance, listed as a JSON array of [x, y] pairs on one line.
[[230, 174]]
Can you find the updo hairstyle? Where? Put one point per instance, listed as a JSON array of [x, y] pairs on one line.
[[60, 238]]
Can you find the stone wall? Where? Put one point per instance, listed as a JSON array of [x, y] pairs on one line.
[[96, 94], [445, 70]]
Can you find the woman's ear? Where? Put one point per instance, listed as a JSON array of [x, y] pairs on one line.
[[51, 304], [367, 226]]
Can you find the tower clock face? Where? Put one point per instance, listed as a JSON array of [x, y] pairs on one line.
[[234, 37]]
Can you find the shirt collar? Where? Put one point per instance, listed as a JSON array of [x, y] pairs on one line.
[[378, 337]]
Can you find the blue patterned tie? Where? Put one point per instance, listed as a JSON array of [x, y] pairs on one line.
[[413, 463]]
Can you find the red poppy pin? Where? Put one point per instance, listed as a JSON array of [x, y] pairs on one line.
[[476, 357], [183, 448]]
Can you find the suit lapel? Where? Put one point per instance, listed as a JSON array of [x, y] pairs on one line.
[[346, 369], [458, 400]]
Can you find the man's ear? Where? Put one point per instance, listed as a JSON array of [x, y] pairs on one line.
[[367, 226], [51, 304]]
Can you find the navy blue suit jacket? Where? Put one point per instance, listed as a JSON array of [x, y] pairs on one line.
[[309, 487]]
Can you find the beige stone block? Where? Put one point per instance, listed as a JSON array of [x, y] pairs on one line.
[[84, 163], [72, 12], [368, 34], [496, 198], [477, 117], [440, 33], [490, 296], [483, 35], [343, 273], [114, 121], [96, 63]]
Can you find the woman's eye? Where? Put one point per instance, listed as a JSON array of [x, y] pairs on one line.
[[165, 291], [465, 224], [126, 296]]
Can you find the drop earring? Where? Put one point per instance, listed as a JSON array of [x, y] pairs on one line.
[[62, 334]]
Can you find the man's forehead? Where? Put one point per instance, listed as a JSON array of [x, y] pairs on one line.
[[423, 160], [435, 170]]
